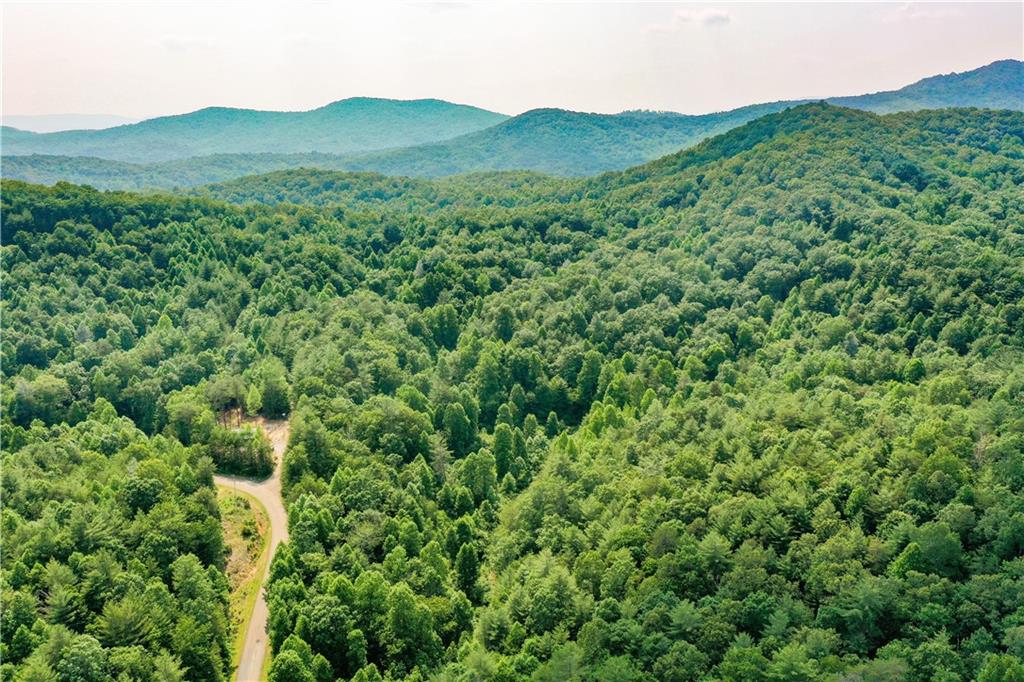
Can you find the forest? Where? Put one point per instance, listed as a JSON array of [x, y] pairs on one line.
[[753, 411]]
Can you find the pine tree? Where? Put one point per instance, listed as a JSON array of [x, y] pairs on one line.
[[467, 571]]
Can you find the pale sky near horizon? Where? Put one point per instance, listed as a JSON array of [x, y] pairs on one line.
[[153, 58]]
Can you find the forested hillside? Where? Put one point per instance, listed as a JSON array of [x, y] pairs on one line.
[[561, 142], [753, 411], [48, 169], [548, 140], [572, 143], [565, 143], [999, 85]]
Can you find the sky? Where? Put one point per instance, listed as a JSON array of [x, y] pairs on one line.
[[145, 59]]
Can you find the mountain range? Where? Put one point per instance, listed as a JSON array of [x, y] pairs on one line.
[[52, 123], [573, 143], [348, 126], [428, 138]]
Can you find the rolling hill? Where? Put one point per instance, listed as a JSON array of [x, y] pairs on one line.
[[999, 85], [51, 123], [573, 143], [554, 141], [653, 183], [348, 126], [179, 173], [561, 142]]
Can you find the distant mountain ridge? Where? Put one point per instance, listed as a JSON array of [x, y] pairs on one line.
[[551, 141], [561, 142], [51, 123], [348, 126], [572, 143], [828, 125], [999, 85]]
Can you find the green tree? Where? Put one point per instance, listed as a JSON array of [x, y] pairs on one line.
[[502, 448], [409, 633], [254, 400], [287, 666], [467, 571], [84, 660], [273, 388], [457, 429], [1002, 668]]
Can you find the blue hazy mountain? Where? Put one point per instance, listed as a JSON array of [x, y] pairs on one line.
[[345, 127], [552, 141]]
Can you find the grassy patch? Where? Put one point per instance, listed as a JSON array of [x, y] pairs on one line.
[[246, 537]]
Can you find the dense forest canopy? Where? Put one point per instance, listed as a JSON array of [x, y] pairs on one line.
[[753, 411]]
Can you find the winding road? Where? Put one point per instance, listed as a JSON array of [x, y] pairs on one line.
[[268, 492]]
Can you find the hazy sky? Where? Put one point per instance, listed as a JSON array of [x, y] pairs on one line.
[[148, 58]]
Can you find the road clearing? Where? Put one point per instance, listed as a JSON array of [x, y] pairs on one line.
[[268, 492]]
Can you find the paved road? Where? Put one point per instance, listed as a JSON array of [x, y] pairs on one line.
[[268, 492]]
